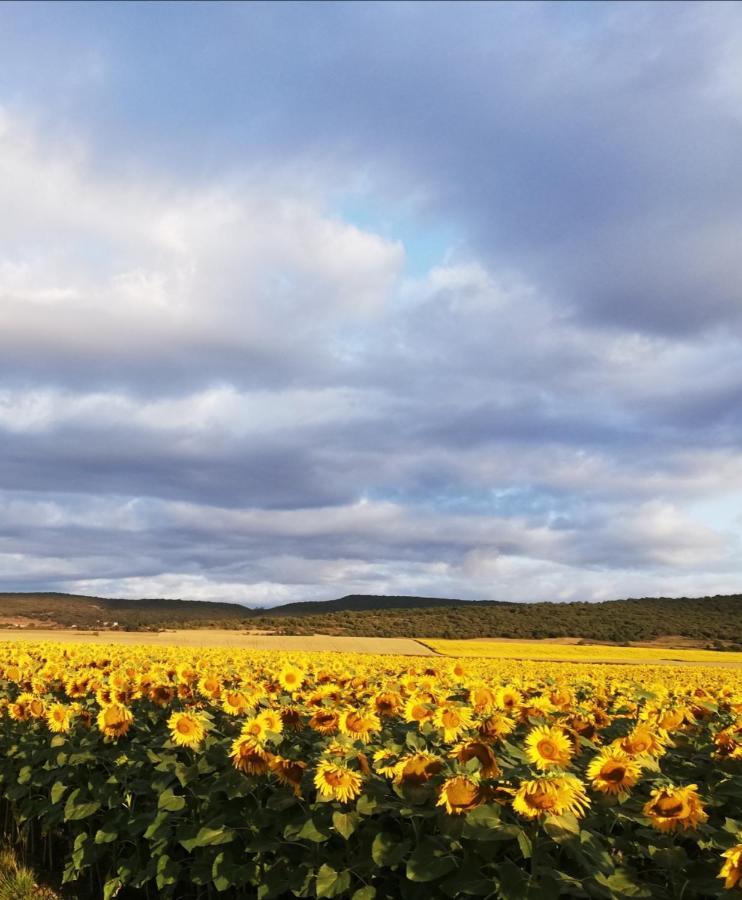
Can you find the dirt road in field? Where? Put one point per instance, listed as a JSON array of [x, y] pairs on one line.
[[323, 643]]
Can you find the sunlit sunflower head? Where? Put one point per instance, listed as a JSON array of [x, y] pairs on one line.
[[249, 757], [358, 725], [481, 751], [272, 720], [482, 698], [551, 795], [509, 697], [291, 678], [289, 772], [614, 772], [453, 720], [417, 709], [495, 727], [460, 795], [387, 703], [36, 708], [187, 729], [417, 768], [236, 703], [20, 708], [643, 740], [59, 718], [548, 747], [385, 761], [115, 720], [675, 808], [731, 871], [210, 686], [256, 729], [335, 781], [673, 718], [325, 721]]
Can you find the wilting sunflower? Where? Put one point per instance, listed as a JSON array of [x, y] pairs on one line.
[[248, 756], [614, 772], [59, 718], [468, 750], [548, 747], [337, 782], [187, 729], [385, 761], [358, 725], [495, 727], [417, 768], [551, 795], [325, 721], [291, 678], [675, 808], [289, 772], [731, 871], [460, 794], [453, 720], [643, 740], [115, 720], [387, 703]]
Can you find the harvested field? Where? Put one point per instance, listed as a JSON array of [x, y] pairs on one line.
[[225, 638]]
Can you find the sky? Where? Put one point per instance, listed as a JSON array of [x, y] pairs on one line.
[[306, 299]]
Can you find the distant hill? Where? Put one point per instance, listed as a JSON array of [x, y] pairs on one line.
[[710, 620]]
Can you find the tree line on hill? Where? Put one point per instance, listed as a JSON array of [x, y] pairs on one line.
[[716, 620]]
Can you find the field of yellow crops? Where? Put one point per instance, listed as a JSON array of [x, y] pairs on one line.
[[543, 650], [143, 771]]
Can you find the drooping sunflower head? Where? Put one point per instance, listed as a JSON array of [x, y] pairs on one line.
[[325, 721], [187, 729], [675, 808], [614, 772], [358, 725], [289, 772], [495, 727], [551, 795], [417, 768], [336, 781], [387, 703], [643, 740], [453, 720], [115, 720], [460, 794], [248, 756], [480, 751], [731, 871], [548, 747]]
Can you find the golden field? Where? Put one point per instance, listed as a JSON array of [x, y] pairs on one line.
[[186, 772]]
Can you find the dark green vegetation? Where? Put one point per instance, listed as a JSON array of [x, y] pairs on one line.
[[712, 620]]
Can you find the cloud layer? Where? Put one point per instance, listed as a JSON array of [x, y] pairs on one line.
[[301, 300]]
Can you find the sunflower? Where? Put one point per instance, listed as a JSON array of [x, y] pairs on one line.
[[256, 729], [495, 727], [325, 721], [551, 795], [452, 720], [236, 703], [416, 709], [478, 750], [385, 761], [187, 729], [272, 720], [358, 725], [482, 698], [291, 718], [291, 678], [642, 740], [387, 703], [59, 718], [613, 772], [460, 794], [548, 747], [509, 697], [289, 772], [417, 768], [115, 720], [731, 871], [248, 756], [210, 686], [675, 808], [20, 709], [337, 782]]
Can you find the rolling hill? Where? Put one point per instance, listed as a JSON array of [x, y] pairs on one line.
[[713, 621]]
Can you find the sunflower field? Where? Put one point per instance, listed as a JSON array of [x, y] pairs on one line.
[[143, 772]]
